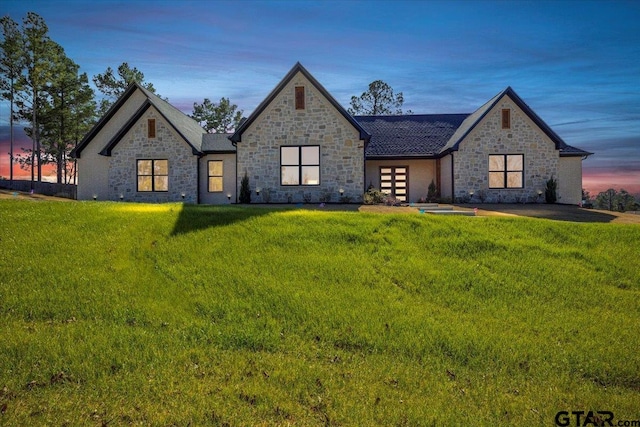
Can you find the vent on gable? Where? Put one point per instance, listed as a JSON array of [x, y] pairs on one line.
[[151, 128], [506, 118], [299, 97]]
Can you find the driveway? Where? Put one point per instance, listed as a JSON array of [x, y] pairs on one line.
[[555, 212]]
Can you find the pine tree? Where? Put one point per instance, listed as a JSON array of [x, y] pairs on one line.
[[11, 67]]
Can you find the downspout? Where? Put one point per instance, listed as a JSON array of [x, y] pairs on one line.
[[453, 182], [200, 156], [364, 172], [235, 144]]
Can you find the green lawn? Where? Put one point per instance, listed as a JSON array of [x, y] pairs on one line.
[[119, 314]]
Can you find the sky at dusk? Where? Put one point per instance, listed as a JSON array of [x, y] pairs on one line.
[[576, 63]]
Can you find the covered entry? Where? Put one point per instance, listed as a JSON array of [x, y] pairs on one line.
[[394, 180]]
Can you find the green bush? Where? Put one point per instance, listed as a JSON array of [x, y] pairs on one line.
[[432, 192], [550, 192], [374, 196], [245, 190]]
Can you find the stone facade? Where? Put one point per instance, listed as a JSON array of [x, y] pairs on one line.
[[471, 161], [135, 145], [319, 123]]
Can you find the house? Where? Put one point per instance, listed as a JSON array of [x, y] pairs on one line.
[[301, 145]]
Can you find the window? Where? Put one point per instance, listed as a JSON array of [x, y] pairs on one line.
[[506, 170], [153, 175], [215, 176], [299, 97], [506, 119], [151, 128], [394, 181], [300, 165]]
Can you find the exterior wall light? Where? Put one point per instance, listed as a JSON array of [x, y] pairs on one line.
[[258, 190], [341, 191], [470, 193], [182, 195], [95, 197], [229, 196]]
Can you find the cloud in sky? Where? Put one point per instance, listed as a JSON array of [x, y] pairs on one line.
[[576, 65]]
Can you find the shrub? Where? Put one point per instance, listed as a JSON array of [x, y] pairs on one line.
[[325, 197], [374, 196], [550, 195], [432, 192], [245, 191]]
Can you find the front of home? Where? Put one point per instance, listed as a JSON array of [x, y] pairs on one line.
[[301, 145]]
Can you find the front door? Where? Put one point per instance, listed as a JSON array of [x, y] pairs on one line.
[[394, 180]]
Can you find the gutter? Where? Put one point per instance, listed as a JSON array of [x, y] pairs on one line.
[[235, 144]]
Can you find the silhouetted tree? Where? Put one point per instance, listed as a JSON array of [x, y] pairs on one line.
[[378, 100]]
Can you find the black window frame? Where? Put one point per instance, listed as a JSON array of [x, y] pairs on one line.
[[300, 165], [506, 171], [152, 175]]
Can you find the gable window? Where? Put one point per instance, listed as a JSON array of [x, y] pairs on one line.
[[153, 175], [394, 181], [215, 176], [151, 128], [506, 118], [299, 97], [506, 170], [300, 165]]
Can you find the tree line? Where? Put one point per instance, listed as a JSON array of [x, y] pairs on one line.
[[611, 200]]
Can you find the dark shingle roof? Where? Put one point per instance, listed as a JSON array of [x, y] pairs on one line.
[[217, 143], [187, 127], [184, 125], [417, 135]]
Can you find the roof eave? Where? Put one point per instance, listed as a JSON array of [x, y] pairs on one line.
[[76, 152], [401, 157], [106, 151]]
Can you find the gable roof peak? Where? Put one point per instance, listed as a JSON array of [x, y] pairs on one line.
[[237, 136], [472, 121]]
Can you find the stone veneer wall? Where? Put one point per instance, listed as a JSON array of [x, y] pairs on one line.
[[168, 145], [471, 161], [280, 124]]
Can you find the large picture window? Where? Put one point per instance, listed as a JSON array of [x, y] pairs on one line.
[[153, 175], [214, 171], [300, 165], [506, 170]]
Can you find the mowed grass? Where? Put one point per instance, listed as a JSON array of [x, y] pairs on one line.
[[124, 314]]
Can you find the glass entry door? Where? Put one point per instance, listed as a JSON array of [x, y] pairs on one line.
[[394, 180]]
